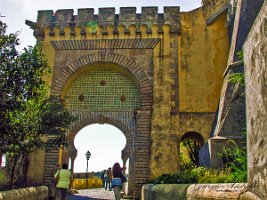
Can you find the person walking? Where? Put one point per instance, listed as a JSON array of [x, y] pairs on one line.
[[63, 177], [117, 181], [108, 180], [103, 177]]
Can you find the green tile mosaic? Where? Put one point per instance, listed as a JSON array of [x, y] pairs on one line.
[[103, 89]]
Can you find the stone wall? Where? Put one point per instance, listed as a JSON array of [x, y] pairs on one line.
[[36, 168], [32, 193], [208, 154], [255, 58], [231, 115], [215, 191], [202, 61], [229, 191]]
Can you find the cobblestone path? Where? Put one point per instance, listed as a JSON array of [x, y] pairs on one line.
[[93, 194]]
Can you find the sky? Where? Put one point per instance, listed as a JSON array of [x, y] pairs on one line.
[[98, 139], [104, 142]]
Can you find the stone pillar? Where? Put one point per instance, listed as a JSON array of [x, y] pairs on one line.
[[131, 174], [72, 155], [141, 151]]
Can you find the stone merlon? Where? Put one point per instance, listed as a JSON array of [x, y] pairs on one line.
[[106, 17]]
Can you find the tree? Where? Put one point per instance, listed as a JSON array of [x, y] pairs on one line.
[[55, 121], [28, 115]]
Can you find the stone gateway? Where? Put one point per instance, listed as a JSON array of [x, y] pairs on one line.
[[155, 76]]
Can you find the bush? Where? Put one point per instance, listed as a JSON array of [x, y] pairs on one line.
[[234, 171], [177, 178], [201, 175], [235, 159], [215, 176]]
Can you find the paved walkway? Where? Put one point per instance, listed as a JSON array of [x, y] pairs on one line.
[[93, 194]]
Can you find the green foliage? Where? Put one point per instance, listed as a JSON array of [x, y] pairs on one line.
[[24, 92], [239, 54], [235, 159], [234, 170], [213, 175], [196, 175], [200, 175], [176, 178], [55, 120], [189, 154], [185, 161], [237, 78]]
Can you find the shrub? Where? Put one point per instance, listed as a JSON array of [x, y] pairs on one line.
[[234, 170], [200, 175], [176, 178], [215, 176], [235, 159]]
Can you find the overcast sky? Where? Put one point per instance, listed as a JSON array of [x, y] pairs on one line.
[[103, 141]]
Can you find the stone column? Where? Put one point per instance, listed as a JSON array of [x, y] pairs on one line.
[[131, 174]]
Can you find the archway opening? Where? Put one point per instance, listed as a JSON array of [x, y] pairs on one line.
[[190, 144], [104, 141]]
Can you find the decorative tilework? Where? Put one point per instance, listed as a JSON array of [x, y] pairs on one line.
[[88, 92]]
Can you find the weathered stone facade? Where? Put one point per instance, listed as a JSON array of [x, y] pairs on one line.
[[230, 122], [255, 51], [175, 59]]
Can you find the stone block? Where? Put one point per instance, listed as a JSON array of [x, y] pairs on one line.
[[127, 16], [208, 154], [106, 16], [63, 19], [164, 191], [149, 16], [172, 17], [215, 191], [44, 18], [31, 193], [64, 16], [85, 16]]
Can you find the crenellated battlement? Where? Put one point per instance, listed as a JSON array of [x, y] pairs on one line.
[[106, 20]]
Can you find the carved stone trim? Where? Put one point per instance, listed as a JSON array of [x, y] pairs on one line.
[[148, 43]]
